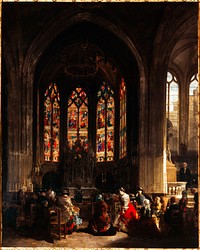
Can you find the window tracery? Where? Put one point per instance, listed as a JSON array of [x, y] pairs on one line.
[[77, 120], [123, 128], [51, 136], [172, 109], [105, 119], [193, 114]]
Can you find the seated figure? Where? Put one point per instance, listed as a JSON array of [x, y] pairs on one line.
[[146, 209], [157, 206], [69, 212], [147, 223], [78, 197], [100, 223], [51, 197], [172, 217]]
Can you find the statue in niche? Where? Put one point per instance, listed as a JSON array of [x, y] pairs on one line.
[[79, 165], [169, 135]]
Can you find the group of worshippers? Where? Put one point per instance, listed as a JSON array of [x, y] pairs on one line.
[[133, 217], [46, 203], [139, 214], [142, 216]]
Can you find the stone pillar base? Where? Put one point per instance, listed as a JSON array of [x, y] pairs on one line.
[[171, 172]]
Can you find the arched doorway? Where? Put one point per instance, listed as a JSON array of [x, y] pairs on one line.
[[105, 182], [51, 179]]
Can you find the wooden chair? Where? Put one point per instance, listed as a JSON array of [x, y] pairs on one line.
[[115, 207], [57, 224]]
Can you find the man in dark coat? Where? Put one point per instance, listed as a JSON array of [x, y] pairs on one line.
[[185, 174]]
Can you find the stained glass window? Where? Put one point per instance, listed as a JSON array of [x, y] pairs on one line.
[[193, 114], [51, 123], [172, 109], [122, 129], [105, 124], [77, 120]]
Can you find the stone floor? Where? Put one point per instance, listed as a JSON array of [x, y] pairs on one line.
[[81, 239]]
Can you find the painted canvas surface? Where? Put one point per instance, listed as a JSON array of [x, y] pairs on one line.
[[100, 113]]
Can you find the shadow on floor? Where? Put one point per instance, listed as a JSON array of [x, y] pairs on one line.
[[26, 238], [161, 242]]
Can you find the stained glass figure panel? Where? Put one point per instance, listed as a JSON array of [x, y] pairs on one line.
[[51, 123], [110, 112], [110, 129], [56, 130], [100, 145], [101, 114], [78, 118], [110, 145], [122, 130], [105, 124], [72, 137], [72, 117], [84, 140], [83, 117]]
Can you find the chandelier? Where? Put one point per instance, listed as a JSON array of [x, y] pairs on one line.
[[80, 60]]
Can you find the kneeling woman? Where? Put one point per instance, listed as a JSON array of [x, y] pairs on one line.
[[128, 212], [100, 222]]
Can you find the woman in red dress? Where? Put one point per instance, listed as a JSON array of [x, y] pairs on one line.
[[127, 213]]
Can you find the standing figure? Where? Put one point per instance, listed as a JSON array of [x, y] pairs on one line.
[[140, 197], [78, 197], [185, 174], [169, 135], [183, 209], [127, 213], [195, 193], [22, 199], [196, 210]]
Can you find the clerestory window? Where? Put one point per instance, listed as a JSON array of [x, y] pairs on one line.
[[172, 110], [193, 114]]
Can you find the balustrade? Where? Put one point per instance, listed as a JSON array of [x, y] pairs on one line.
[[176, 188]]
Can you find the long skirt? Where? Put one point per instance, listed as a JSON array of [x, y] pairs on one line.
[[122, 219]]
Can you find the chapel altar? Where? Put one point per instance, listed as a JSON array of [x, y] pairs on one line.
[[79, 168]]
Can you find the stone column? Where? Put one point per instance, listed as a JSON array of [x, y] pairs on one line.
[[20, 120], [152, 171]]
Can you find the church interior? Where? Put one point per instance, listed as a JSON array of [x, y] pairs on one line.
[[98, 96]]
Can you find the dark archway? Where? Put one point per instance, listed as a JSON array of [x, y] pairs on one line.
[[51, 179], [105, 182]]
